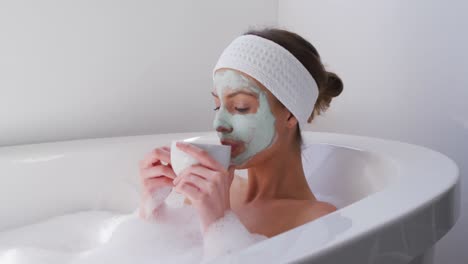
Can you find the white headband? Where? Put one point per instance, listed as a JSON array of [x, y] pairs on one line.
[[277, 69]]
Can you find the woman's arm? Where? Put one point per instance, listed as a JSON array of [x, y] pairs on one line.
[[207, 187]]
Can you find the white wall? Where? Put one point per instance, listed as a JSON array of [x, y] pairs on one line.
[[405, 70], [99, 68]]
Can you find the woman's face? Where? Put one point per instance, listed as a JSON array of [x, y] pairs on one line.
[[244, 117]]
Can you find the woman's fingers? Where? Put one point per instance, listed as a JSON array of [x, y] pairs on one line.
[[190, 191], [202, 184], [156, 183], [168, 150], [210, 175], [159, 154], [158, 171], [212, 178], [201, 155]]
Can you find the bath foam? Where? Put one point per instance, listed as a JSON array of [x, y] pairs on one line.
[[105, 237], [226, 236], [159, 241], [157, 199]]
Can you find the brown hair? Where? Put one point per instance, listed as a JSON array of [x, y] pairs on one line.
[[329, 84]]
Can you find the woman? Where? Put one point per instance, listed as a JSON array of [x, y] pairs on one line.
[[267, 85]]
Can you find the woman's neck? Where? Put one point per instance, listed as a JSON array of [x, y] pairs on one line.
[[280, 177]]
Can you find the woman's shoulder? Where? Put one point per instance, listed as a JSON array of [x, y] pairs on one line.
[[295, 213], [290, 214], [311, 210]]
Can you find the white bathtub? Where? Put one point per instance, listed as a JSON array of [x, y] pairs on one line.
[[395, 200]]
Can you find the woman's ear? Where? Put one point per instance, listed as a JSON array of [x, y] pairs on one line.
[[292, 121]]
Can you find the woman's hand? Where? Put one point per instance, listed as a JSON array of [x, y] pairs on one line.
[[206, 185], [156, 180]]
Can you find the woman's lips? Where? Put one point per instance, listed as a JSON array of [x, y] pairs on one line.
[[237, 147]]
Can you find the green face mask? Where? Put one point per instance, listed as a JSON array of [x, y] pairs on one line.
[[256, 131]]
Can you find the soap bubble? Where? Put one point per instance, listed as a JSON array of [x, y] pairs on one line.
[[103, 237]]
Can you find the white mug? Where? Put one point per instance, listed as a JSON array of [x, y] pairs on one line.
[[181, 160]]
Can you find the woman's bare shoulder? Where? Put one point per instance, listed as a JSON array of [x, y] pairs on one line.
[[311, 210], [293, 213]]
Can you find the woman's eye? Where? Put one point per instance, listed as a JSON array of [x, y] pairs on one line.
[[216, 109], [242, 110]]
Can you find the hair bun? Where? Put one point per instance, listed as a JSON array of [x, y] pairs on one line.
[[332, 88], [334, 85]]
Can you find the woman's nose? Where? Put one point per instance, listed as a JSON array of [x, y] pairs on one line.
[[220, 123]]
